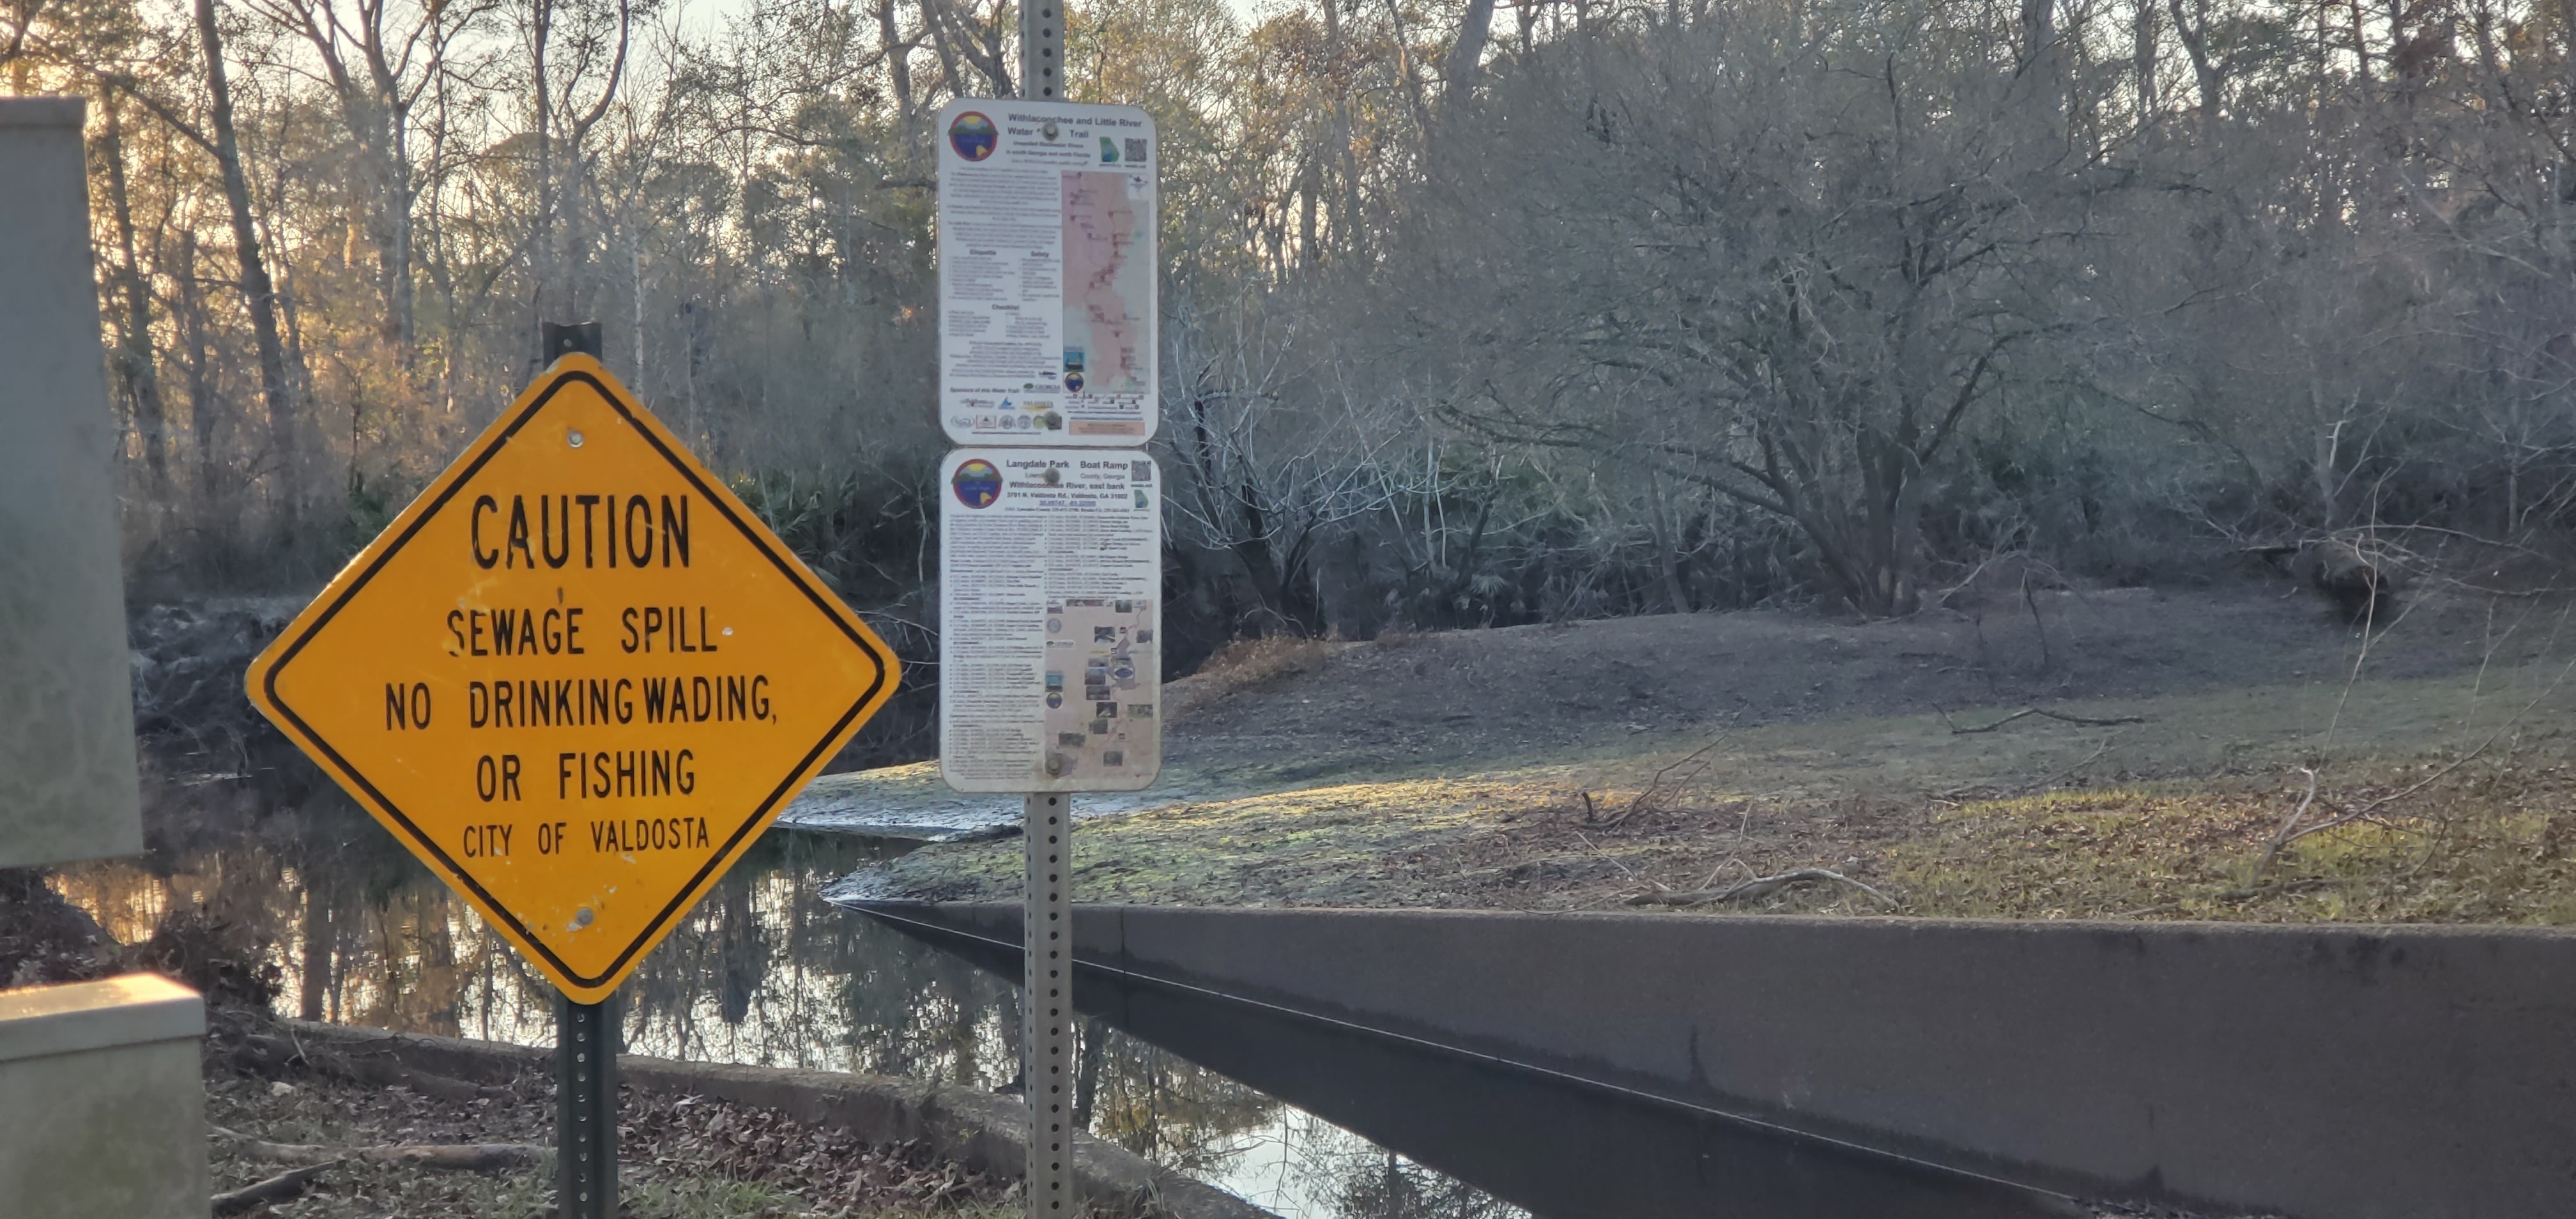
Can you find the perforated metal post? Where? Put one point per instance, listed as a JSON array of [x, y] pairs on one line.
[[585, 1033], [1042, 50], [556, 339], [1046, 1006], [585, 1109]]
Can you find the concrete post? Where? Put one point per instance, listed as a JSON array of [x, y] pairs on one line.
[[67, 785], [102, 1107]]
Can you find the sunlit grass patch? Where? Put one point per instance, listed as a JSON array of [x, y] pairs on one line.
[[1346, 843], [2494, 847], [2082, 854]]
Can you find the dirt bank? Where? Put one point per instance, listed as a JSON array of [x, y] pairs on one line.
[[1709, 761]]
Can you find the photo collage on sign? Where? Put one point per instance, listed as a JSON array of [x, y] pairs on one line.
[[1100, 696]]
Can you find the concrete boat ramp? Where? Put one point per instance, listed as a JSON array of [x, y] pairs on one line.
[[1592, 1066], [911, 803]]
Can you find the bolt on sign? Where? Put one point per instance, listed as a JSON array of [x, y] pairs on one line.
[[577, 677]]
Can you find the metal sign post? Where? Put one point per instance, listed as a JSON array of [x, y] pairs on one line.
[[1046, 907], [1049, 637], [585, 1109], [585, 1033], [1046, 998], [1051, 527], [1042, 50]]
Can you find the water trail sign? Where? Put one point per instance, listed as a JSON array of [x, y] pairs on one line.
[[1047, 273], [577, 677]]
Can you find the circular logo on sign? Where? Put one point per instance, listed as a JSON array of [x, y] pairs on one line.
[[972, 135], [976, 483], [1073, 383]]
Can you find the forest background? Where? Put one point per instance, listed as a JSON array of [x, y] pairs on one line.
[[1474, 312]]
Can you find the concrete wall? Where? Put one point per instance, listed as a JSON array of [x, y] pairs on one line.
[[67, 783], [2322, 1073]]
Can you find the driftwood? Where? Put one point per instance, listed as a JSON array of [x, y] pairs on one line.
[[1758, 887], [2361, 586], [456, 1157], [278, 1188], [271, 1056], [2061, 717]]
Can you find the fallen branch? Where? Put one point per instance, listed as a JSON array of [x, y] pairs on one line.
[[1988, 791], [272, 1056], [454, 1157], [278, 1188], [1759, 886], [2089, 759], [2085, 720], [1650, 799]]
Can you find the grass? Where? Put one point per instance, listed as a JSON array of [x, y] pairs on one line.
[[1317, 846], [2488, 840], [2492, 842], [2466, 778]]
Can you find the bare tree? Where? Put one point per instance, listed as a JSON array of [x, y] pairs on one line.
[[1802, 311], [378, 58], [259, 292]]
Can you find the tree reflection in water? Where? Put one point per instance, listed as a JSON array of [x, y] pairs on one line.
[[761, 972]]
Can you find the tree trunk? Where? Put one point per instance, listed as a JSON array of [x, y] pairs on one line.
[[397, 252], [205, 410], [1668, 562], [2039, 55], [2143, 60], [257, 291], [2208, 73], [541, 244], [1467, 53], [898, 56], [2567, 55], [1866, 536], [136, 367]]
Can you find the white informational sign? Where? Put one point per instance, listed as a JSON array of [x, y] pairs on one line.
[[1047, 285], [1050, 617]]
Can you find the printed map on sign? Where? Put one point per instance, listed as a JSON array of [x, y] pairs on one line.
[[1108, 281]]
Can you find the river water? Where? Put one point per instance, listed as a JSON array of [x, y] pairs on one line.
[[762, 972]]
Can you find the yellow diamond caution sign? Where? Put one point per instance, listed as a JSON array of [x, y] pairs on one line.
[[577, 677]]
